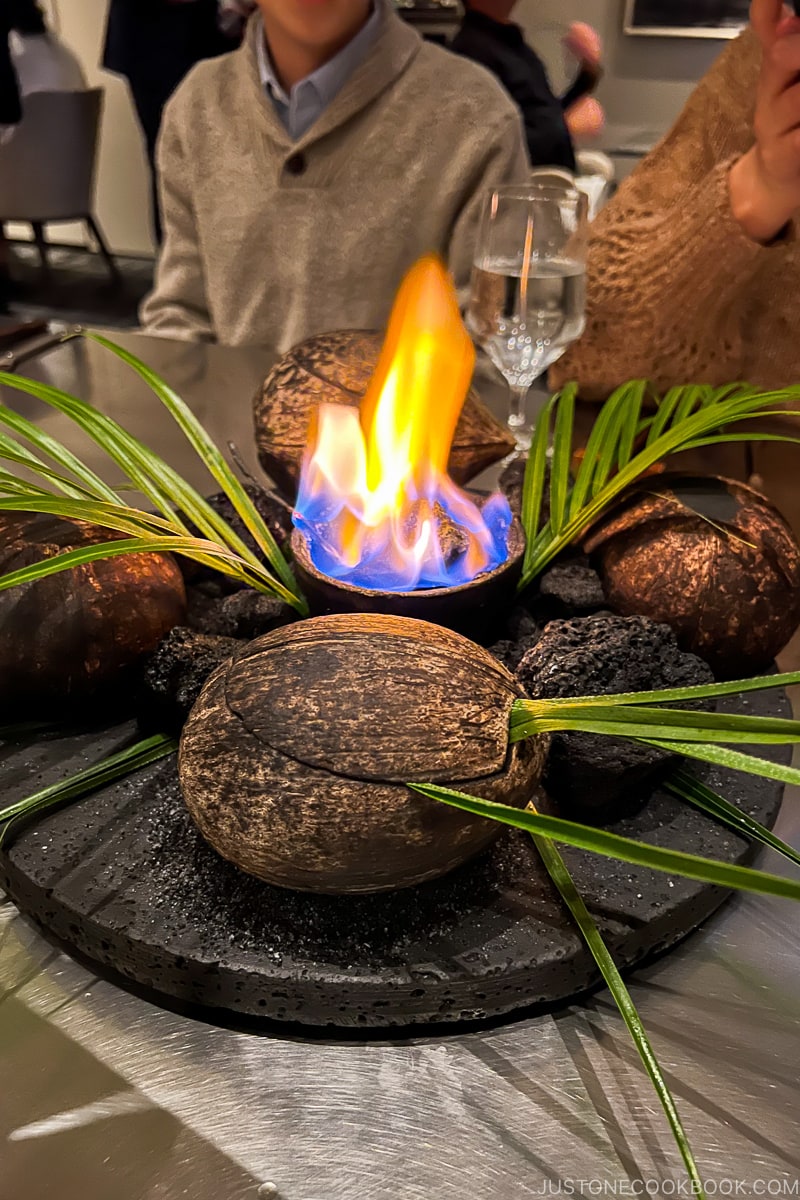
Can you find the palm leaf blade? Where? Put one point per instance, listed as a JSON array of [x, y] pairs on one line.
[[557, 870], [611, 845]]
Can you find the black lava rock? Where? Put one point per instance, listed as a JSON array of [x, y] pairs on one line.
[[276, 516], [174, 674], [602, 655], [244, 614], [574, 588], [522, 634]]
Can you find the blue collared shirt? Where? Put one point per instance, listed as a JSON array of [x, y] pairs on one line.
[[309, 98]]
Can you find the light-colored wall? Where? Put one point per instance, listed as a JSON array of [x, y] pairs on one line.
[[647, 82]]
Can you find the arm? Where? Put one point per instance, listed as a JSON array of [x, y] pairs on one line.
[[668, 257], [505, 161], [546, 132], [178, 306]]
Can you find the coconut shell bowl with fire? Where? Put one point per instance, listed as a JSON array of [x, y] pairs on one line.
[[322, 749]]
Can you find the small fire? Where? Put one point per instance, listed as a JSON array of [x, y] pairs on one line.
[[376, 504]]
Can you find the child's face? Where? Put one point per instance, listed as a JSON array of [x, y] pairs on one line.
[[316, 23]]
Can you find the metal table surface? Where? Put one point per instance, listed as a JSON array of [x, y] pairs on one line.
[[106, 1096]]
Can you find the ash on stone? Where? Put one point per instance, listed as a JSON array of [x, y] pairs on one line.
[[602, 655], [244, 914], [174, 674]]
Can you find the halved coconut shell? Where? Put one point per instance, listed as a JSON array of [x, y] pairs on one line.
[[335, 368]]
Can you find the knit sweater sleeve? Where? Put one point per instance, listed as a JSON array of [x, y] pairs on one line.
[[668, 261], [178, 305], [504, 160]]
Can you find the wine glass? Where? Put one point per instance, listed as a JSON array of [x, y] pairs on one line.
[[528, 296]]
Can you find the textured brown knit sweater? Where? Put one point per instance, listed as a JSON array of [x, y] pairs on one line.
[[677, 292], [268, 241]]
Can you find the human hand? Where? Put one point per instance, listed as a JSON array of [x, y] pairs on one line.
[[765, 182], [584, 43], [585, 118]]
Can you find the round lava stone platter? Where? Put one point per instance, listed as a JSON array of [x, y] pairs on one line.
[[123, 879]]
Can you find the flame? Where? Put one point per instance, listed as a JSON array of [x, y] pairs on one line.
[[375, 502]]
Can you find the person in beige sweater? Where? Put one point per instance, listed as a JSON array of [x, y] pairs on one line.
[[302, 175], [692, 265]]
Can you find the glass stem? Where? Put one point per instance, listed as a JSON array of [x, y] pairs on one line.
[[518, 394]]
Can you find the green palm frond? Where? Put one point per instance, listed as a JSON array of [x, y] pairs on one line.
[[557, 870], [640, 716], [612, 845], [683, 784], [624, 444], [116, 766], [43, 476]]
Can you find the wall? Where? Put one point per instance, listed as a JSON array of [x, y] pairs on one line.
[[647, 79], [646, 84]]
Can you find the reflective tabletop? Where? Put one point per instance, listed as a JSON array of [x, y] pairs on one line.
[[107, 1096]]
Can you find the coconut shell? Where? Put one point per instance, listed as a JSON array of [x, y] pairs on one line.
[[69, 638], [710, 557], [335, 368], [294, 760]]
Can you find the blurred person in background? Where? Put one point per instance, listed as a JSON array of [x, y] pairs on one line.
[[154, 44], [692, 263], [304, 174], [488, 36]]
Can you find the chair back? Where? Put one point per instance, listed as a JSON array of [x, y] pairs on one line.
[[47, 166], [553, 177]]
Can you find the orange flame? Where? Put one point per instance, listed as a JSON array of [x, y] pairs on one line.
[[375, 500]]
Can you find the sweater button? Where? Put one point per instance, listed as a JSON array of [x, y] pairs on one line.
[[296, 164]]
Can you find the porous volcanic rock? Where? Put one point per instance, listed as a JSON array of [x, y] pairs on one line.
[[174, 675], [602, 655]]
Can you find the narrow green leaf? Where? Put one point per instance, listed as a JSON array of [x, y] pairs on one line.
[[116, 766], [703, 691], [611, 845], [598, 438], [561, 460], [557, 870], [629, 429], [126, 451], [535, 475], [213, 459], [686, 786], [722, 756], [712, 415], [208, 553], [57, 453], [672, 723]]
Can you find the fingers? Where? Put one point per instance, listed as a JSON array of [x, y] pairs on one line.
[[765, 18], [782, 116], [781, 65]]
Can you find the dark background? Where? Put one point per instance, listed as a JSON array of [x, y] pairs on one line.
[[672, 14]]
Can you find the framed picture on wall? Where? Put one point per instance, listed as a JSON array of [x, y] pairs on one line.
[[686, 18]]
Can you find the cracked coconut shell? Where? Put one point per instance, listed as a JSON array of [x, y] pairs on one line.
[[709, 557], [294, 760], [335, 368], [69, 638]]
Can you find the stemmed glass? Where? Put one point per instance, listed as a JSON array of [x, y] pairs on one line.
[[528, 297]]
